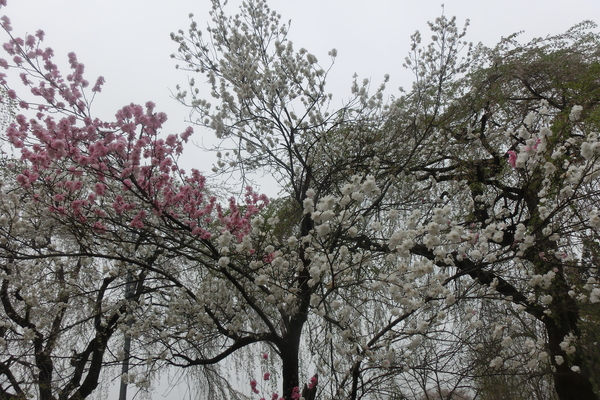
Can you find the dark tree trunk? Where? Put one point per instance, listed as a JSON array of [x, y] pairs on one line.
[[564, 317], [44, 364], [569, 384], [289, 346], [290, 354]]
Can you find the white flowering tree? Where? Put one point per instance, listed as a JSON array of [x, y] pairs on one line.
[[520, 143], [335, 278], [484, 175], [59, 312]]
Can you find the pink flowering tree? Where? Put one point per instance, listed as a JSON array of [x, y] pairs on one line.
[[91, 207]]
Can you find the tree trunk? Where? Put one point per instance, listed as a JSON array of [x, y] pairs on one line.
[[289, 346], [569, 384], [290, 354]]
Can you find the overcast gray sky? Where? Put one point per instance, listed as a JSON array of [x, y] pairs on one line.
[[127, 41]]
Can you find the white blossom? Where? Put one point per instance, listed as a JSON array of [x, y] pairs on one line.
[[223, 261], [587, 151], [476, 255], [506, 342], [453, 236], [422, 326], [496, 362], [292, 241], [308, 205], [559, 360], [594, 219], [575, 113], [595, 295], [261, 280]]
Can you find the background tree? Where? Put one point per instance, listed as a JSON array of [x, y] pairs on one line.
[[515, 140]]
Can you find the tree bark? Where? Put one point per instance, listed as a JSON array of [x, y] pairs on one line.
[[290, 354], [569, 384]]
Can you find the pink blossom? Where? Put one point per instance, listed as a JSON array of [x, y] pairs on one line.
[[512, 158], [187, 133], [137, 221], [265, 356], [27, 178], [5, 21], [267, 376], [268, 258], [150, 107], [120, 206], [253, 384], [171, 140], [73, 59], [73, 186], [99, 188], [46, 56], [98, 85], [77, 205], [30, 41], [9, 48], [99, 227], [295, 393], [313, 382]]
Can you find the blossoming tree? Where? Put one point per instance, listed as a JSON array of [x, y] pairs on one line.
[[513, 137], [396, 225], [468, 179], [75, 207]]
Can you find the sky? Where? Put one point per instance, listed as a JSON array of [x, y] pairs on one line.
[[128, 42]]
